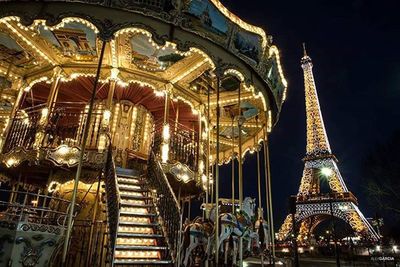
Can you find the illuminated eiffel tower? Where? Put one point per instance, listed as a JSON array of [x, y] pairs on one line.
[[313, 206]]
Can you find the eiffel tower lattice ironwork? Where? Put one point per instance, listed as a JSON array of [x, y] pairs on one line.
[[313, 206]]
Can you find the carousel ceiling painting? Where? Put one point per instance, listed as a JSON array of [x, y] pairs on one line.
[[74, 40], [248, 45], [278, 87], [207, 17], [11, 53], [146, 56]]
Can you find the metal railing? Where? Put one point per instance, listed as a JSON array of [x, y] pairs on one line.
[[113, 201], [166, 202], [183, 144], [64, 125], [86, 249], [33, 208], [326, 197], [23, 128]]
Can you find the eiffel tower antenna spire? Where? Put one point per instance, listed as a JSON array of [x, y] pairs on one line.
[[304, 50]]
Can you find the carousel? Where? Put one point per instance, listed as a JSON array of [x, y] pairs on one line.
[[115, 119]]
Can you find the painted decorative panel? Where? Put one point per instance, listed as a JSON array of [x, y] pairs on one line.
[[207, 19], [145, 55], [74, 40], [275, 81], [248, 45], [12, 53]]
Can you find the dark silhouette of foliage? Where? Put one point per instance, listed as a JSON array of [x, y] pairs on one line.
[[381, 170]]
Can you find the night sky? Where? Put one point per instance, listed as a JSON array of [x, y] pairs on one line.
[[354, 46]]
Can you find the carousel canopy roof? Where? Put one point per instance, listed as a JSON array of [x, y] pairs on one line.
[[183, 47]]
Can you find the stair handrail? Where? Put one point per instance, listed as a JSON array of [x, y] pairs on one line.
[[167, 204], [113, 201]]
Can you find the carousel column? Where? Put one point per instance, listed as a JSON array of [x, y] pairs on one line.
[[208, 155], [200, 165], [216, 227], [44, 118], [233, 167], [107, 113], [268, 190], [16, 85], [240, 170], [166, 135], [260, 210], [175, 142]]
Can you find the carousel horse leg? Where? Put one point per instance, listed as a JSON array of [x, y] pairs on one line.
[[250, 240], [226, 252], [182, 255], [189, 250], [235, 251], [208, 248], [224, 235]]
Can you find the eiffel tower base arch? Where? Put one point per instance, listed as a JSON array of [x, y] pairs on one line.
[[309, 215]]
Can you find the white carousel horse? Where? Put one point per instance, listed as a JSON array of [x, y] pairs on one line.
[[235, 226], [197, 233]]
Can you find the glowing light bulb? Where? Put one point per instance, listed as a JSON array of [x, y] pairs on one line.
[[326, 171]]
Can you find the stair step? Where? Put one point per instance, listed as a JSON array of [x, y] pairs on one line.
[[130, 186], [137, 254], [134, 196], [130, 181], [136, 214], [138, 235], [141, 262], [122, 223], [134, 241], [128, 176], [136, 247], [138, 190], [133, 205], [125, 171]]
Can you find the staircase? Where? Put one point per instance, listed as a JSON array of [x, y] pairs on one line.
[[139, 238]]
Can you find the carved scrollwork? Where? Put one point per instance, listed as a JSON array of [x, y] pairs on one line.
[[64, 155], [18, 155], [40, 228]]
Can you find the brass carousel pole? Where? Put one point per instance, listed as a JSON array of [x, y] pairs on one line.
[[217, 179], [240, 173], [93, 221], [213, 183], [268, 193], [166, 132], [260, 210], [208, 152], [80, 163], [176, 117], [233, 168], [200, 150]]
